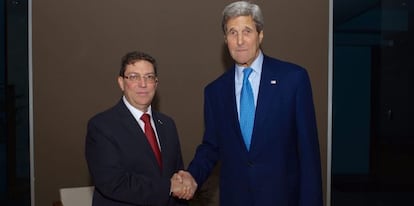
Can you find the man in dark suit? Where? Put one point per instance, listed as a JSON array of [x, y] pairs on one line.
[[269, 154], [126, 167]]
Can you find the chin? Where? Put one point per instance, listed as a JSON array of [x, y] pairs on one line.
[[241, 60]]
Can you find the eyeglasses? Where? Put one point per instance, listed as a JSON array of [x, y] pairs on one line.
[[148, 78]]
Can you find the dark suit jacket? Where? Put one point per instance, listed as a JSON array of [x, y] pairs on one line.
[[283, 165], [123, 167]]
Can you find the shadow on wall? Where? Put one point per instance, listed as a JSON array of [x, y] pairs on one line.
[[226, 58], [208, 194]]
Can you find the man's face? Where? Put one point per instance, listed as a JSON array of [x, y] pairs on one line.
[[139, 84], [243, 40]]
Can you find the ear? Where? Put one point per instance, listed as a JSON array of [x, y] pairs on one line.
[[261, 36], [156, 84], [225, 39], [121, 83]]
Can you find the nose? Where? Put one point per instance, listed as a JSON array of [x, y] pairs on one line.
[[240, 39], [142, 82]]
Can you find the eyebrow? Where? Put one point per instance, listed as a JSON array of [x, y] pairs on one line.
[[140, 74]]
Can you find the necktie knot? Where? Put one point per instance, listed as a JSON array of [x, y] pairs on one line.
[[145, 117], [247, 72]]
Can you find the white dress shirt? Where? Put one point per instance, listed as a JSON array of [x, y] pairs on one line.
[[254, 79], [137, 115]]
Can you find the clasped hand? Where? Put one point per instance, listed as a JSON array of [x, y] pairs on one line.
[[183, 185]]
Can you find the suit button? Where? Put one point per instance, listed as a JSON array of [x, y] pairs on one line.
[[250, 163]]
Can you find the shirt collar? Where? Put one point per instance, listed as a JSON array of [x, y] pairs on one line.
[[256, 66], [136, 112]]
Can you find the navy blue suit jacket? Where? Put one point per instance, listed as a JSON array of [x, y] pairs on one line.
[[283, 165], [123, 167]]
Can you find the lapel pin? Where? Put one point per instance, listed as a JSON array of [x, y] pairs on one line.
[[159, 121], [273, 82]]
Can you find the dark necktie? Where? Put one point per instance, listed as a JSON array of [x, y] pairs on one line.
[[247, 108], [149, 132]]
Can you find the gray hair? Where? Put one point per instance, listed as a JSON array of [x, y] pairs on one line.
[[243, 8]]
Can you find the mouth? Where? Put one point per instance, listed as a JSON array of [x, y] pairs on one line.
[[142, 93], [241, 50]]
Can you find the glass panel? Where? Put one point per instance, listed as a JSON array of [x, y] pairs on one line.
[[14, 104], [373, 95], [3, 167]]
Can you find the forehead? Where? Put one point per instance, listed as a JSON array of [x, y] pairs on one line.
[[240, 22], [140, 66]]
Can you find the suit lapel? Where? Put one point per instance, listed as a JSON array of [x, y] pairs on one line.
[[129, 121], [159, 124], [228, 93], [268, 89], [232, 105], [137, 136], [162, 138]]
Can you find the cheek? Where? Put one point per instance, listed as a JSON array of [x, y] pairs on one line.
[[258, 44], [129, 85], [231, 44]]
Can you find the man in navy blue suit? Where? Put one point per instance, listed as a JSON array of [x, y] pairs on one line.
[[130, 163], [277, 161]]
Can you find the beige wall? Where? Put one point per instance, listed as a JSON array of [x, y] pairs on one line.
[[77, 47]]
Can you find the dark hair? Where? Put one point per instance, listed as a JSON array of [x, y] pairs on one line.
[[135, 56]]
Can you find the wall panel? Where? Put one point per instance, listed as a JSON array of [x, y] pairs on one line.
[[77, 46]]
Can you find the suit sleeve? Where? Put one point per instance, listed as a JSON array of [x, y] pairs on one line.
[[206, 155], [308, 145], [111, 177]]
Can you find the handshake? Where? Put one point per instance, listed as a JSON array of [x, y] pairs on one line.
[[183, 185]]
